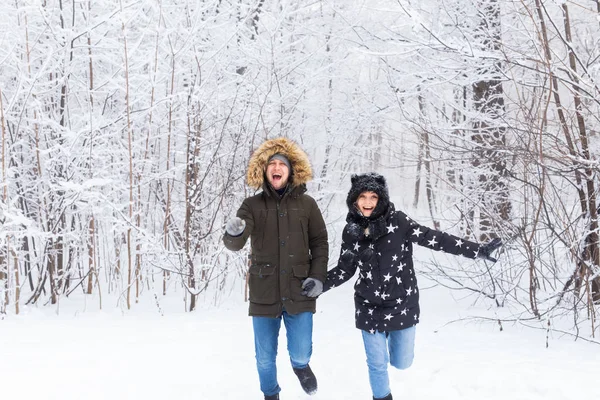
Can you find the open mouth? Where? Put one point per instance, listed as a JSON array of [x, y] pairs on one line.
[[276, 178], [369, 209]]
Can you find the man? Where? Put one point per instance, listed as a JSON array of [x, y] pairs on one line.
[[288, 261]]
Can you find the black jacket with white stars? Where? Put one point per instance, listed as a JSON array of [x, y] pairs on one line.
[[386, 295]]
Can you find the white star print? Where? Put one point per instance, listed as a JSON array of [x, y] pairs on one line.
[[391, 228], [417, 232], [401, 267], [369, 275], [459, 243], [395, 257], [356, 246], [409, 291], [371, 246], [384, 296], [357, 312], [377, 293], [387, 277], [372, 331], [432, 242], [341, 275], [370, 311], [399, 301], [360, 263], [398, 280], [403, 312], [388, 317]]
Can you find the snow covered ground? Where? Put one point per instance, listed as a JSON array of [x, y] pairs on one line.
[[208, 355]]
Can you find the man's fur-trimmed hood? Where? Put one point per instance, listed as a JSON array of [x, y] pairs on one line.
[[301, 171]]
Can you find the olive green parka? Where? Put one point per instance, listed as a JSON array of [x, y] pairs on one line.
[[288, 236]]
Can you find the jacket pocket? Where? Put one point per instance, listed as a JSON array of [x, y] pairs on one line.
[[258, 235], [263, 284], [304, 225], [399, 288], [300, 273]]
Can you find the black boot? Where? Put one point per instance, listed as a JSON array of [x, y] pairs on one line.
[[272, 397], [388, 397], [307, 379]]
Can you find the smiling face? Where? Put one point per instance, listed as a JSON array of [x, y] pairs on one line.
[[366, 203], [277, 173]]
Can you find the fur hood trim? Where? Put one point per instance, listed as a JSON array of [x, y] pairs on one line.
[[301, 171], [357, 224]]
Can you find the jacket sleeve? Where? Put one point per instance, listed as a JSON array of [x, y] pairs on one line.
[[345, 269], [441, 241], [318, 244], [236, 243]]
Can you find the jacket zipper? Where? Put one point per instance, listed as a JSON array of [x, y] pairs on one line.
[[279, 261]]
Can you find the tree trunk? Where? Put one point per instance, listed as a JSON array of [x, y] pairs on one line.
[[488, 100], [592, 240], [131, 183]]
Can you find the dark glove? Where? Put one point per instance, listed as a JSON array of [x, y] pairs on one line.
[[485, 250], [312, 287], [348, 257], [235, 226]]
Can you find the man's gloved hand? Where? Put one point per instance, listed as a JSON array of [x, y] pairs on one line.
[[235, 226], [312, 287], [485, 250]]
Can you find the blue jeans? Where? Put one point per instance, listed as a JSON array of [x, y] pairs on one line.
[[299, 344], [396, 348]]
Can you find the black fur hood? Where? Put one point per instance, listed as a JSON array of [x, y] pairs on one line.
[[370, 182]]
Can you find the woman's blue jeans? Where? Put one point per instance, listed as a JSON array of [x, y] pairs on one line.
[[299, 343], [396, 348]]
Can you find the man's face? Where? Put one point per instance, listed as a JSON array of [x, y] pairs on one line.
[[366, 203], [277, 173]]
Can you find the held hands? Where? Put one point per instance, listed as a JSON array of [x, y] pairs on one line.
[[312, 287], [485, 250], [235, 226]]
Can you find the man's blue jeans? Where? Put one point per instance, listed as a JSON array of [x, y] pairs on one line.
[[396, 348], [299, 343]]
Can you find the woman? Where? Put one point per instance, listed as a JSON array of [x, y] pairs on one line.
[[378, 241]]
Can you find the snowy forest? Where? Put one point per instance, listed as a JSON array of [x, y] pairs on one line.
[[127, 126]]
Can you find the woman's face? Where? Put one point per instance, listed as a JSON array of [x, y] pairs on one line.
[[366, 203]]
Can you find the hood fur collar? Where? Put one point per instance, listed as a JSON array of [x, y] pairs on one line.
[[358, 224], [301, 171]]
